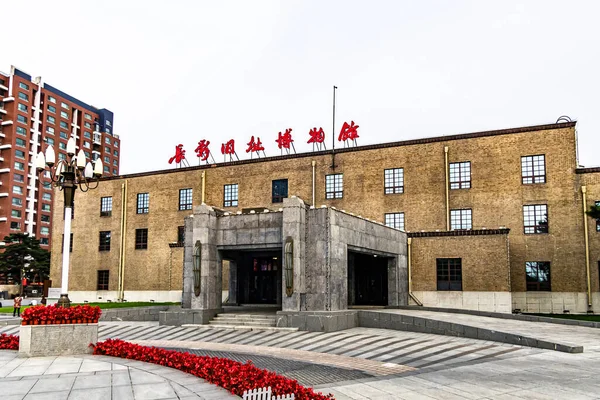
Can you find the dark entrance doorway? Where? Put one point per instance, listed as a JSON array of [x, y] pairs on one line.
[[260, 278], [367, 280]]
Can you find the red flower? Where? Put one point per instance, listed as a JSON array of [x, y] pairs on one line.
[[9, 342], [231, 375], [59, 315]]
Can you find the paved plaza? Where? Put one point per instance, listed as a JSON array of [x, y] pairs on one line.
[[359, 363]]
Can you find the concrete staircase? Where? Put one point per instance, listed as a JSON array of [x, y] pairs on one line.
[[247, 321]]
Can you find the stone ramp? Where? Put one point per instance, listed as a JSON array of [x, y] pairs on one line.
[[543, 335]]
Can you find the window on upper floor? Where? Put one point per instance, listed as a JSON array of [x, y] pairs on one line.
[[19, 178], [115, 172], [23, 86], [64, 125], [86, 145], [64, 105], [104, 241], [279, 190], [449, 274], [47, 196], [52, 99], [14, 225], [64, 135], [21, 131], [44, 242], [50, 130], [116, 144], [87, 125], [88, 116], [20, 142], [538, 276], [49, 141], [15, 213], [45, 218], [52, 109], [393, 180], [62, 146], [46, 207], [533, 169], [180, 235], [107, 159], [395, 220], [87, 135], [115, 163], [17, 202], [23, 96], [141, 239], [143, 203], [107, 140], [230, 195], [64, 114], [107, 150], [103, 276], [106, 169], [334, 186], [106, 206], [20, 154], [44, 230], [51, 119], [535, 218], [21, 119], [17, 189], [115, 153], [19, 166], [460, 175], [22, 107], [461, 219], [185, 199]]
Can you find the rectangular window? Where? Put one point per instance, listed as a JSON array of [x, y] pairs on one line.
[[538, 276], [21, 131], [87, 125], [20, 154], [44, 230], [15, 213], [19, 166], [185, 199], [106, 169], [22, 107], [19, 178], [230, 198], [598, 220], [107, 140], [535, 218], [50, 130], [64, 125], [52, 109], [105, 206], [44, 241], [62, 243], [334, 186], [64, 114], [49, 141], [62, 146], [17, 202], [52, 99], [23, 96], [116, 144], [279, 190], [45, 218], [395, 220], [460, 175], [87, 135], [51, 119], [46, 207], [449, 273], [115, 172], [17, 189], [141, 239], [393, 180], [107, 150], [107, 159], [64, 105], [88, 116], [533, 169], [102, 280], [104, 244], [21, 142], [461, 219], [180, 235], [115, 163], [47, 197], [21, 119], [15, 225], [64, 135], [143, 203], [115, 153], [23, 86], [87, 145]]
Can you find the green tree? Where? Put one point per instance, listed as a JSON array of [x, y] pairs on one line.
[[22, 257], [594, 211]]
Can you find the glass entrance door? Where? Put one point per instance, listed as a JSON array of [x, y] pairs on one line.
[[263, 280]]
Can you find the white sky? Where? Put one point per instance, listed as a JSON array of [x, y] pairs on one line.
[[180, 71]]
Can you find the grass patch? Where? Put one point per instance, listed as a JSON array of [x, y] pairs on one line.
[[103, 306], [580, 317]]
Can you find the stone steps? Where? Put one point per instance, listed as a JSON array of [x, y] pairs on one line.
[[245, 320], [240, 327]]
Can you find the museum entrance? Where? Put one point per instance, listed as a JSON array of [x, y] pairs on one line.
[[259, 277], [367, 279]]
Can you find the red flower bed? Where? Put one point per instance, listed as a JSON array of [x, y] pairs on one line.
[[231, 375], [9, 342], [51, 315]]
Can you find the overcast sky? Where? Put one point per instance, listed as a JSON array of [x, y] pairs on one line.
[[180, 71]]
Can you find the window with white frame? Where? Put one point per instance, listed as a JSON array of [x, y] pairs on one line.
[[461, 219], [334, 186]]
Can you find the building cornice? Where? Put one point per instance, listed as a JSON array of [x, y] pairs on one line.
[[411, 142], [465, 232], [590, 170]]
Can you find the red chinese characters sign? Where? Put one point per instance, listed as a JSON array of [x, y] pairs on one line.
[[316, 136], [228, 148], [202, 151], [255, 146], [284, 141], [348, 132], [179, 155]]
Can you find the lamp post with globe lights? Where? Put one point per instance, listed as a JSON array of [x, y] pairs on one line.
[[70, 174]]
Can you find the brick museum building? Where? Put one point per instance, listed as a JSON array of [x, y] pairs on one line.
[[493, 221]]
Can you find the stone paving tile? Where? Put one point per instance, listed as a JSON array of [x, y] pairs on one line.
[[46, 385], [122, 392], [64, 395], [151, 391], [92, 381], [102, 393]]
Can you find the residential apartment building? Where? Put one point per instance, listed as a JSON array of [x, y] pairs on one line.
[[33, 115], [495, 220]]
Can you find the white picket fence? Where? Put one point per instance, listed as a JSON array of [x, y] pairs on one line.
[[264, 394]]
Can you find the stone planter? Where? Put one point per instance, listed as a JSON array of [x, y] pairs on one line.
[[56, 340]]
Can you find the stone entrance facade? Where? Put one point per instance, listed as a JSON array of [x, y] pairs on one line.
[[315, 255]]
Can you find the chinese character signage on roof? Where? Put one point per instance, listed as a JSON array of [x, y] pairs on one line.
[[203, 152], [179, 157], [317, 138], [228, 149], [284, 141], [255, 147], [348, 134]]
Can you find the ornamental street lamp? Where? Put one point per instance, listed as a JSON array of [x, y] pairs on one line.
[[68, 175]]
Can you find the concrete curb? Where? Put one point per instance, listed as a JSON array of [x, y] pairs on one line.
[[382, 320]]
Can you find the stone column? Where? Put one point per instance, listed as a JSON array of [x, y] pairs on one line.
[[233, 279], [188, 263], [294, 224]]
